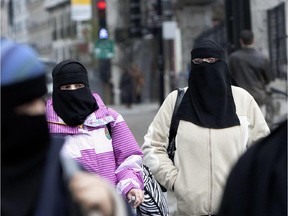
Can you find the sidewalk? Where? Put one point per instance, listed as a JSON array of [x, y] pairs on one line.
[[136, 108], [138, 118]]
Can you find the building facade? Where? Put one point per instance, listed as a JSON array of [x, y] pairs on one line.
[[164, 61]]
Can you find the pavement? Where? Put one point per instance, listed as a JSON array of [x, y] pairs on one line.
[[138, 117]]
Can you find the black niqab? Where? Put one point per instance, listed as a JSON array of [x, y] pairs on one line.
[[73, 106], [208, 101]]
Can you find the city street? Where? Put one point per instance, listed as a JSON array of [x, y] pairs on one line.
[[138, 118], [230, 56]]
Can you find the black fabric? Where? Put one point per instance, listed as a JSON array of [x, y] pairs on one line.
[[208, 215], [208, 101], [54, 198], [257, 184], [73, 106], [23, 92], [22, 137], [24, 142], [212, 52], [69, 71]]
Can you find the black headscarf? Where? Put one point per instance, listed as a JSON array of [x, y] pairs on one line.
[[208, 101], [73, 106]]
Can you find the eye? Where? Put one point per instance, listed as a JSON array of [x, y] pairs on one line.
[[72, 86], [66, 87], [77, 86], [211, 60], [197, 61]]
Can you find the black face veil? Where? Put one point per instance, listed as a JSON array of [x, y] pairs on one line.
[[208, 101], [73, 106]]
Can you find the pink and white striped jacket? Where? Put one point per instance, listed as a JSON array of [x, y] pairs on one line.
[[117, 159]]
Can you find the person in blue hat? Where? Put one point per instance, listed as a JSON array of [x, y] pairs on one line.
[[32, 180]]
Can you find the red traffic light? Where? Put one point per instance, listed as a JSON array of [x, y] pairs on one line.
[[101, 5]]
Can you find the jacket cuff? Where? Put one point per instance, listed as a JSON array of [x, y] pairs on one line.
[[127, 189]]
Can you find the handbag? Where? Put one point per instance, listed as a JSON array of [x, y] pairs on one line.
[[155, 202]]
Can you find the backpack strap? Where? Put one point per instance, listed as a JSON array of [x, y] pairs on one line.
[[174, 125], [109, 128]]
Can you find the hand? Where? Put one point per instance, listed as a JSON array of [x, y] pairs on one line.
[[138, 194], [92, 193]]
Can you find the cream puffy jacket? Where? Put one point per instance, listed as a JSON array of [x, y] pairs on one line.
[[204, 156]]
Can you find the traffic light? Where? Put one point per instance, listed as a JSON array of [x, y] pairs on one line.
[[135, 19], [101, 6]]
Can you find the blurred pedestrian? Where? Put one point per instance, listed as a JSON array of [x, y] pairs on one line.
[[217, 123], [96, 136], [138, 82], [251, 69], [32, 180], [257, 184], [126, 87]]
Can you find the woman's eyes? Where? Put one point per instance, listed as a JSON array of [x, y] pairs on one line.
[[79, 85], [72, 87]]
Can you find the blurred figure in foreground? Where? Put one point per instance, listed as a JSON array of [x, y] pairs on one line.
[[217, 122], [257, 184], [32, 180], [251, 69], [96, 136]]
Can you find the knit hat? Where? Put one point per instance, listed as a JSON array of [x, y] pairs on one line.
[[22, 74]]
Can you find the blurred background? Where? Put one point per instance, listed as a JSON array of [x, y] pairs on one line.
[[150, 40]]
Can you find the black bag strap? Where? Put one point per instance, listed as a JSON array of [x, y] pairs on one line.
[[109, 128], [174, 125]]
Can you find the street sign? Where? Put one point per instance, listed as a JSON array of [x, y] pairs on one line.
[[104, 49]]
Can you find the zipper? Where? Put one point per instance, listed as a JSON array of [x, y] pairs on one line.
[[211, 173]]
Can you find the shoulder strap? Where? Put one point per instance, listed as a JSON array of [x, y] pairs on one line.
[[109, 128], [174, 125]]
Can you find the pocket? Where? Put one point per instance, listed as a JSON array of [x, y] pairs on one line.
[[179, 188], [175, 187]]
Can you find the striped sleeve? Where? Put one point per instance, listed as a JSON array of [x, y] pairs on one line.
[[128, 156]]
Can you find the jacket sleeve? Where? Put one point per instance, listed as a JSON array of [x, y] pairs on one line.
[[128, 156], [156, 142], [258, 127]]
